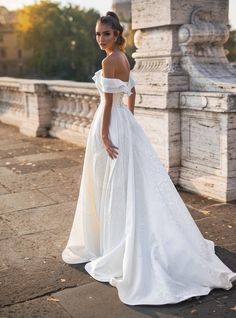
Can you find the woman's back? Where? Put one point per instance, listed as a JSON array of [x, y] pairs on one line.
[[120, 65]]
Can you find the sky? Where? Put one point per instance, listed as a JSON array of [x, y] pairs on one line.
[[102, 6]]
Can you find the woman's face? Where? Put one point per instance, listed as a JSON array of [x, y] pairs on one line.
[[105, 36]]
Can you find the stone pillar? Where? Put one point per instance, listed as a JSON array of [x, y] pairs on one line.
[[186, 90], [38, 104], [159, 78], [208, 110]]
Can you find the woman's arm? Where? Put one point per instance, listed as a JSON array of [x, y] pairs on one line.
[[106, 115], [108, 72], [131, 100]]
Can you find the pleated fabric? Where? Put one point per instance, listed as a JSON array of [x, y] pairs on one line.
[[131, 226]]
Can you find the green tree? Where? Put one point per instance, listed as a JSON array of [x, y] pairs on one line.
[[130, 47], [230, 45], [85, 55], [62, 40]]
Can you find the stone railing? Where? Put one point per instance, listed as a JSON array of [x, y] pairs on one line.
[[74, 105], [12, 108], [61, 109]]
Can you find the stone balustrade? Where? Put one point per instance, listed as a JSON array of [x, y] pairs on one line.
[[12, 108], [62, 109], [74, 106]]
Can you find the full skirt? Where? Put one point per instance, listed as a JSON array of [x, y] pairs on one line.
[[133, 228]]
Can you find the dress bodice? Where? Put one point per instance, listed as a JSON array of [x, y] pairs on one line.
[[113, 85]]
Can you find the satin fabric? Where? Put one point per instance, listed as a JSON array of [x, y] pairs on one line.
[[131, 226]]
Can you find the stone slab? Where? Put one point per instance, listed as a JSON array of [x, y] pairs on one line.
[[210, 229], [76, 154], [197, 214], [196, 201], [227, 211], [44, 244], [99, 298], [32, 157], [27, 149], [23, 200], [62, 193], [5, 172], [37, 277], [10, 255], [74, 173], [230, 247], [53, 144], [34, 180], [4, 144], [5, 230], [86, 300], [42, 165], [173, 12], [36, 308], [56, 216], [41, 245], [220, 307], [3, 190]]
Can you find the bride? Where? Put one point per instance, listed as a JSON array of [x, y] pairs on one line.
[[131, 226]]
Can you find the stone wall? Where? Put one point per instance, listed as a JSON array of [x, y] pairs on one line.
[[187, 90]]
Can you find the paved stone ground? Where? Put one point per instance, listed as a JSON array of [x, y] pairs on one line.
[[39, 184]]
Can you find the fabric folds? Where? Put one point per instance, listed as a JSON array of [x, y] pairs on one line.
[[131, 227], [113, 85]]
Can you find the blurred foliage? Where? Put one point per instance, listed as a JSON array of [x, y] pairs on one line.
[[62, 41], [63, 45], [230, 45], [130, 48]]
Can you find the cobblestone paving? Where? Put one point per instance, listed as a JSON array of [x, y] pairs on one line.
[[39, 185]]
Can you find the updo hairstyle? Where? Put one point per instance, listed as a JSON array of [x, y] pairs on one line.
[[112, 19]]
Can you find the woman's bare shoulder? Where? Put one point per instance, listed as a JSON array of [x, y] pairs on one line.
[[114, 61], [108, 66]]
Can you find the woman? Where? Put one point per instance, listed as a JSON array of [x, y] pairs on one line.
[[131, 225]]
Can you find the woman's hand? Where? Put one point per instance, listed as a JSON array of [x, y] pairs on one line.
[[110, 148]]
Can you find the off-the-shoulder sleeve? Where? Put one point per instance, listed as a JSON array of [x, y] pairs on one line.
[[113, 85], [131, 83]]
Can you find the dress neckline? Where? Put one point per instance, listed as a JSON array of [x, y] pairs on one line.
[[106, 78]]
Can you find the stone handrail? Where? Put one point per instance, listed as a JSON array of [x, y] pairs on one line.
[[58, 108]]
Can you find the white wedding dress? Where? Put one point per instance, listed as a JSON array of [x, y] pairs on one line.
[[131, 225]]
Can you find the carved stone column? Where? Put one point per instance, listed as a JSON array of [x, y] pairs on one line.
[[185, 91], [208, 113], [159, 78], [37, 103]]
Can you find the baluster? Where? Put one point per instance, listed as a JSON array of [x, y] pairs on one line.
[[85, 104]]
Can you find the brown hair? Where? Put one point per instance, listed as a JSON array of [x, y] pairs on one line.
[[112, 19]]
